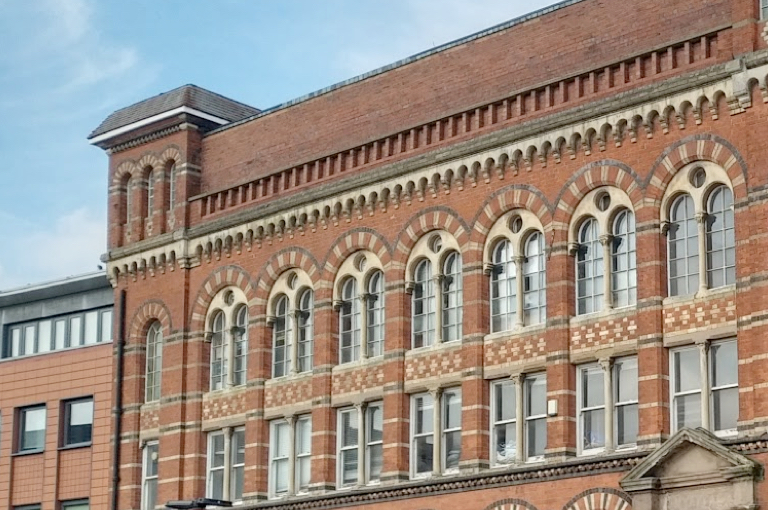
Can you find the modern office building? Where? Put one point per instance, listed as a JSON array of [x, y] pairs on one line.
[[522, 270], [56, 394]]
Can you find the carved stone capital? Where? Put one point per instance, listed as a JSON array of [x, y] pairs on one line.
[[573, 249], [701, 217], [410, 287], [665, 226], [606, 240]]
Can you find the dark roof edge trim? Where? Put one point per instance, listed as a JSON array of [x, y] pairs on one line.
[[403, 62]]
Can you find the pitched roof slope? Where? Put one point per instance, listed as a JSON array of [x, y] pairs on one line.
[[190, 96]]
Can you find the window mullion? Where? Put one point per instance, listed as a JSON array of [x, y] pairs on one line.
[[437, 430], [360, 409], [705, 389], [701, 222], [519, 418], [227, 461], [520, 289], [291, 420], [607, 366]]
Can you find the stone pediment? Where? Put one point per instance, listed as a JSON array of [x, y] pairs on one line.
[[693, 469], [690, 457]]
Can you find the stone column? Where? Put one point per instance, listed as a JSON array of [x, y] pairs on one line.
[[607, 366]]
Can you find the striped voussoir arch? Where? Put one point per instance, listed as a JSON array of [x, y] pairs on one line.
[[517, 196], [427, 220], [600, 498], [227, 276], [350, 242], [510, 504], [147, 313]]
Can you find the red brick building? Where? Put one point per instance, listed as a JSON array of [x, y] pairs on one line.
[[523, 270]]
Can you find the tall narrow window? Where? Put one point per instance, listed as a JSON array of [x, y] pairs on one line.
[[128, 200], [154, 362], [589, 269], [626, 421], [683, 245], [219, 358], [721, 250], [349, 324], [150, 193], [240, 339], [723, 366], [763, 9], [534, 281], [149, 476], [591, 408], [451, 298], [504, 422], [535, 409], [503, 288], [686, 384], [280, 458], [237, 469], [623, 266], [226, 464], [423, 434], [423, 305], [282, 338], [451, 433], [348, 447], [216, 465], [303, 453], [375, 314], [305, 330], [374, 441], [172, 186]]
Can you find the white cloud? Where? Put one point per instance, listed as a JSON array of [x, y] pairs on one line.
[[70, 244]]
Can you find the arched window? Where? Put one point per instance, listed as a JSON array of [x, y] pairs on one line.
[[503, 288], [282, 335], [305, 331], [423, 315], [683, 245], [292, 305], [374, 311], [240, 339], [171, 172], [128, 200], [349, 326], [150, 193], [623, 265], [589, 269], [721, 244], [451, 294], [154, 370], [218, 352], [534, 280]]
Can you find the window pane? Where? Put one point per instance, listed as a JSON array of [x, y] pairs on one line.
[[375, 462], [375, 423], [592, 387], [349, 466], [537, 437], [688, 410], [281, 476], [687, 372], [75, 331], [60, 333], [504, 401], [106, 326], [79, 429], [725, 408], [725, 364], [44, 336], [452, 449], [626, 425], [91, 328], [217, 453], [593, 429], [33, 429], [626, 380], [424, 414], [536, 395], [505, 442], [29, 339], [452, 405], [423, 447], [349, 428]]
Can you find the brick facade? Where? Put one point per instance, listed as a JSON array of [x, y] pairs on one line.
[[531, 116]]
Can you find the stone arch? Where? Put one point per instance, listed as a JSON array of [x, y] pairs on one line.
[[510, 504], [432, 218], [516, 196], [347, 243], [706, 147], [171, 153], [148, 312], [600, 173], [223, 277], [124, 169], [600, 498], [148, 160], [280, 262]]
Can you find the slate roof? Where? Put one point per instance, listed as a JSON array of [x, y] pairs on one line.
[[191, 96]]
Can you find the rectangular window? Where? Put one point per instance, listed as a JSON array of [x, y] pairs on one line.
[[31, 429], [80, 504], [718, 385], [60, 334], [29, 339], [626, 420], [226, 464], [44, 336], [91, 328], [503, 422], [424, 433], [76, 330], [290, 454], [590, 395], [149, 476], [763, 10], [15, 349], [106, 326], [535, 415], [349, 448], [78, 424]]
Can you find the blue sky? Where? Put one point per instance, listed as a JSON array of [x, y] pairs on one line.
[[66, 64]]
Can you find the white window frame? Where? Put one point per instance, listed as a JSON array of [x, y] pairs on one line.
[[534, 269], [706, 390], [282, 329], [530, 419], [451, 297], [342, 449], [581, 410], [350, 322], [685, 224], [446, 430], [227, 322], [504, 289], [229, 463], [297, 323], [150, 194], [511, 455], [624, 249], [364, 444], [371, 443], [150, 458], [295, 457], [424, 294], [438, 433], [590, 255], [375, 324], [726, 233]]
